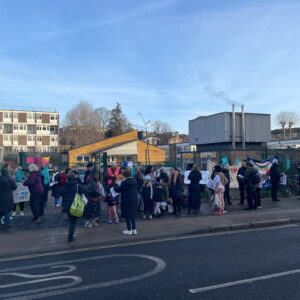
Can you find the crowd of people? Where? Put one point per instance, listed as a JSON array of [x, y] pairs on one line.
[[127, 192]]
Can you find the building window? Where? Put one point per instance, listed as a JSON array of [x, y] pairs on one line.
[[53, 139], [86, 158], [7, 115], [38, 128], [31, 129], [30, 138], [16, 138], [16, 127], [30, 116], [38, 138], [53, 117], [15, 115], [39, 117], [22, 127], [79, 158], [7, 138]]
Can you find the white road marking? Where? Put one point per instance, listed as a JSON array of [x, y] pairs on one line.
[[160, 240], [243, 281], [64, 289]]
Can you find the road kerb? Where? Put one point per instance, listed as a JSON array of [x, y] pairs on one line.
[[240, 226], [268, 223]]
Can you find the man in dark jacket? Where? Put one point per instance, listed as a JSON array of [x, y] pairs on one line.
[[250, 188], [275, 179], [36, 189], [88, 171], [7, 186], [241, 180], [68, 193]]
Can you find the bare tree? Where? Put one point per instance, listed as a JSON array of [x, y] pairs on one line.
[[282, 119], [104, 116], [160, 127], [293, 119], [81, 125], [162, 130]]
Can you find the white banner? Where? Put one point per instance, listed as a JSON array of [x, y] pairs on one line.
[[205, 177], [21, 194]]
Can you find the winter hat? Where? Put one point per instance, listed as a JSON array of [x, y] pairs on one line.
[[275, 161], [147, 178]]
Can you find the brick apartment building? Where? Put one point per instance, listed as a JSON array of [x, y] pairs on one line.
[[24, 130]]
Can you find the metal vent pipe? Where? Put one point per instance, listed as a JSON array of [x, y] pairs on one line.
[[243, 128], [233, 133]]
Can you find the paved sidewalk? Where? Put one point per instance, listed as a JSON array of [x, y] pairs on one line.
[[51, 233]]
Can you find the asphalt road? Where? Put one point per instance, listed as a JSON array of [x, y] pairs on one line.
[[261, 264]]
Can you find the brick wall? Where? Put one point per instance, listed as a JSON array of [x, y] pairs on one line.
[[45, 118], [45, 140], [23, 140], [22, 117]]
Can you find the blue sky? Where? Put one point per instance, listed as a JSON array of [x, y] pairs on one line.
[[170, 59]]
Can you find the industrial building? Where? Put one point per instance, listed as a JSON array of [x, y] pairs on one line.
[[230, 131]]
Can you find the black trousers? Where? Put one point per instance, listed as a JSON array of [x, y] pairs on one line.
[[226, 194], [131, 223], [274, 191], [177, 205], [251, 198], [258, 197], [72, 226], [36, 204], [21, 205], [242, 193]]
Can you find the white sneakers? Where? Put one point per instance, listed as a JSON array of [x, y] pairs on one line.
[[130, 232]]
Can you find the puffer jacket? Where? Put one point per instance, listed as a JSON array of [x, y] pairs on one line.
[[7, 186]]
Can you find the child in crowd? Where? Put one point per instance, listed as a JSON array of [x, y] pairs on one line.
[[147, 194], [160, 198], [112, 200]]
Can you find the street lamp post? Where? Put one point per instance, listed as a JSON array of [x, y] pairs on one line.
[[146, 130]]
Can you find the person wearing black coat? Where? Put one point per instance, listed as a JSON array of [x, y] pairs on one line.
[[194, 188], [129, 200], [68, 193], [241, 181], [225, 171], [163, 176], [176, 190], [275, 179], [7, 186]]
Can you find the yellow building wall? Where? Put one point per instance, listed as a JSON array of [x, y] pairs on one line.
[[91, 148], [157, 155]]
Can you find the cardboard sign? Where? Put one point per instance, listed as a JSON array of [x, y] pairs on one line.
[[21, 194]]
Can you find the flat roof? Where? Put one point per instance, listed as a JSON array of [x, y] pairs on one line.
[[28, 109], [228, 112]]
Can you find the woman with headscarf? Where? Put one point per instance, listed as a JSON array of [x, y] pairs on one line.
[[219, 181], [36, 189], [19, 178]]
